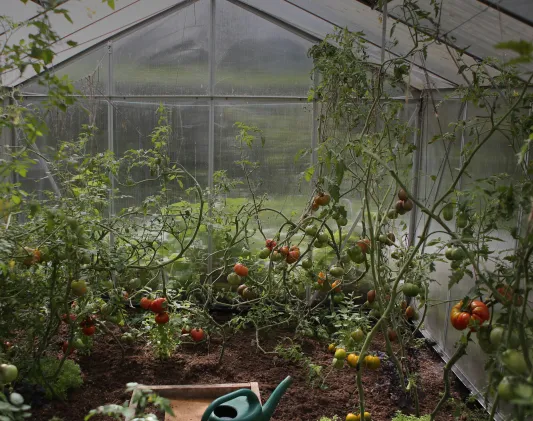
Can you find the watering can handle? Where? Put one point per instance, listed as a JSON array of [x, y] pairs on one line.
[[223, 399]]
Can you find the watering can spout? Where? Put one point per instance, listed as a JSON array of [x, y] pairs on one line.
[[270, 406]]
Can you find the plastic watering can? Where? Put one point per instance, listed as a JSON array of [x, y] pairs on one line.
[[244, 405]]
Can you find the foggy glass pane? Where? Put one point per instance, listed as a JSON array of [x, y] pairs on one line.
[[257, 57], [88, 73], [287, 129], [165, 57], [63, 126], [134, 121]]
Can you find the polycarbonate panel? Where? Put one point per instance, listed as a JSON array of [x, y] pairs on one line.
[[472, 25], [257, 57], [166, 57], [63, 126], [287, 129], [188, 145], [440, 159], [88, 73]]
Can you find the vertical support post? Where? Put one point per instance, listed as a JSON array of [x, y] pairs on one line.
[[384, 31], [417, 156], [314, 154], [520, 218], [211, 140], [110, 131]]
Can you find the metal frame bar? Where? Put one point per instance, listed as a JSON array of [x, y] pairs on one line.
[[277, 21], [211, 139], [110, 132], [417, 159]]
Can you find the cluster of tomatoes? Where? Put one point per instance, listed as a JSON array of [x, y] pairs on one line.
[[321, 199], [404, 204], [289, 254], [158, 306]]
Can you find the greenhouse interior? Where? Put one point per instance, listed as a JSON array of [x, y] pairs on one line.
[[297, 210]]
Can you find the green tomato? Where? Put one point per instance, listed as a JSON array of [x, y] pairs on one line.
[[311, 230], [392, 214], [276, 256], [323, 236], [8, 373], [447, 212], [307, 263], [357, 335], [497, 336], [337, 363], [79, 288], [449, 253], [515, 390], [458, 254], [462, 220], [410, 290], [319, 244], [338, 298], [342, 221], [234, 279], [514, 361], [134, 284], [263, 254], [345, 258], [336, 271]]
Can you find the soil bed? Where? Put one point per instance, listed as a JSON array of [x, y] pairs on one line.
[[105, 378]]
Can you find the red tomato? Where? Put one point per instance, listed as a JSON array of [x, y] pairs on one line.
[[322, 199], [185, 330], [364, 245], [88, 321], [371, 295], [315, 205], [162, 318], [146, 303], [89, 330], [284, 250], [159, 305], [271, 244], [510, 296], [197, 334], [65, 348], [240, 269], [293, 256], [476, 311]]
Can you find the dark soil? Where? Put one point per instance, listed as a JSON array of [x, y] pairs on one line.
[[105, 377]]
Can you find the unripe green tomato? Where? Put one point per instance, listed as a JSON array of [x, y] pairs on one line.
[[345, 258], [311, 230], [323, 236], [461, 221], [337, 363], [342, 221], [263, 254], [336, 271], [319, 244], [307, 263], [447, 212]]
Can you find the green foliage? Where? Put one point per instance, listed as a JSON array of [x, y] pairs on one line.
[[523, 48], [401, 417], [11, 409], [60, 380], [334, 418]]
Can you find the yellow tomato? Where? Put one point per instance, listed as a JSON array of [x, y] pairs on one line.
[[332, 348], [352, 360], [353, 417], [373, 363]]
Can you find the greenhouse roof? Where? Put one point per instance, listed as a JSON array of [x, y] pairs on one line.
[[474, 26]]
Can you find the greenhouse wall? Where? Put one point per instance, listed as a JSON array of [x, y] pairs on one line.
[[212, 64]]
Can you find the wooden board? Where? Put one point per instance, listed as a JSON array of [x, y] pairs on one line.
[[189, 402]]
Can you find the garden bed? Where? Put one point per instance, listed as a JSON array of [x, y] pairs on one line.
[[105, 377]]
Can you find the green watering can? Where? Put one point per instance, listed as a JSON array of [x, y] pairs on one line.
[[244, 405]]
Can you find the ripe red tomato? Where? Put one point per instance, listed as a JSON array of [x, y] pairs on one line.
[[197, 334], [510, 296], [364, 245], [240, 269], [146, 303], [294, 255], [271, 244], [393, 336], [476, 312], [371, 296], [88, 321], [162, 318], [284, 250], [315, 205], [89, 330], [65, 348], [159, 305]]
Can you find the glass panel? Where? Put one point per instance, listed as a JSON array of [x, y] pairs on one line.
[[257, 57], [64, 126], [134, 121], [167, 56], [88, 74], [439, 162], [287, 129]]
